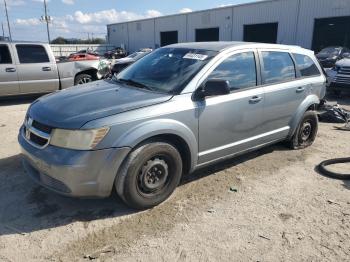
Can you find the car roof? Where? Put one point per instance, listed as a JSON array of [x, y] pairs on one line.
[[22, 42], [221, 46], [210, 46]]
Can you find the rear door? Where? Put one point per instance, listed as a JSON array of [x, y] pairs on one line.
[[37, 71], [8, 72], [283, 91]]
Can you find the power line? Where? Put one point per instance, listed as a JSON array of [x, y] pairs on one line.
[[8, 21]]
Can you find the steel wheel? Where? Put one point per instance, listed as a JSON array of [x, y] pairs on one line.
[[153, 176]]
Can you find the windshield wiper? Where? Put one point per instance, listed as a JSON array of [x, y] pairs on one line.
[[134, 83]]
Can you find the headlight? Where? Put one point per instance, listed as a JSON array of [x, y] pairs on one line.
[[78, 139]]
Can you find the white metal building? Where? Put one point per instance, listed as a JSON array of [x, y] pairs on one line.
[[312, 24]]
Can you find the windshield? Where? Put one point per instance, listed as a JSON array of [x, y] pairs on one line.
[[330, 51], [166, 70]]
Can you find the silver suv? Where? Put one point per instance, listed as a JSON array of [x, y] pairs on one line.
[[179, 108]]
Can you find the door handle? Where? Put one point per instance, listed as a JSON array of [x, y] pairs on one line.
[[10, 70], [300, 89], [46, 68], [255, 99]]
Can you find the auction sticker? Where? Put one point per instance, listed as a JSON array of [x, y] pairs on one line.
[[195, 56]]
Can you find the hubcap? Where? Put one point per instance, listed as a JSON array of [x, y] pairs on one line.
[[153, 175], [84, 80], [306, 131]]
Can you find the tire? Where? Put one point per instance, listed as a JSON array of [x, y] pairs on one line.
[[323, 170], [306, 132], [82, 79], [149, 175]]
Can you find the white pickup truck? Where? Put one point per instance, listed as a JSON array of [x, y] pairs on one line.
[[29, 68]]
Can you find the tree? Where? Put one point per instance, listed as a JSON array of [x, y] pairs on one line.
[[59, 41], [62, 41]]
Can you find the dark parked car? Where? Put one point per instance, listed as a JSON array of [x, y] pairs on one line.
[[115, 53], [126, 61], [330, 55]]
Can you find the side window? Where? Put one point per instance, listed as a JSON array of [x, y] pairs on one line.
[[239, 70], [306, 66], [32, 54], [5, 56], [278, 67]]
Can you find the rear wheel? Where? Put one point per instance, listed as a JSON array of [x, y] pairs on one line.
[[306, 132], [82, 79], [149, 175]]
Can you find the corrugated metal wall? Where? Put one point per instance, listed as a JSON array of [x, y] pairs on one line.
[[221, 18], [311, 9], [295, 22], [171, 23], [283, 11]]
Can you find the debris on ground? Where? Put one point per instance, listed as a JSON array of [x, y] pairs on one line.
[[261, 236], [333, 114], [232, 189], [332, 202], [97, 254]]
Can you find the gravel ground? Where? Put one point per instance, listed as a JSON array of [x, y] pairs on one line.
[[269, 205]]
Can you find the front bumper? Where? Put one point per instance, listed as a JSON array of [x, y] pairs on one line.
[[72, 172]]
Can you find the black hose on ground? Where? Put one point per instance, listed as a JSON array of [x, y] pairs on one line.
[[323, 170]]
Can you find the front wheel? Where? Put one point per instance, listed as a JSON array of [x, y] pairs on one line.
[[82, 79], [149, 175], [306, 132]]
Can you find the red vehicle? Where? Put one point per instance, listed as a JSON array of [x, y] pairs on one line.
[[83, 57]]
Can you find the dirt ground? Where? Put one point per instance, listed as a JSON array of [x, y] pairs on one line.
[[269, 205]]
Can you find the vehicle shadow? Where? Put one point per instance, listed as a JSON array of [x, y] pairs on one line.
[[343, 99], [18, 100], [26, 207]]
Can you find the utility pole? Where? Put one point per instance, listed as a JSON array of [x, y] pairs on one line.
[[46, 19], [3, 31], [8, 21]]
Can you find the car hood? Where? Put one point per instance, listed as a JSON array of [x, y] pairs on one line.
[[124, 60], [324, 56], [73, 107], [343, 62]]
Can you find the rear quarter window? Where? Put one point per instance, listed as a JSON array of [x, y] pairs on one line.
[[28, 54], [306, 65]]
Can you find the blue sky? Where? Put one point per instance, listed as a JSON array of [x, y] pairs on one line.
[[77, 18]]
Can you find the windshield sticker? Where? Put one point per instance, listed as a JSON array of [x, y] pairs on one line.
[[195, 56]]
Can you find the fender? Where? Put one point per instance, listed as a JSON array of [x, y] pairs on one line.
[[308, 101], [146, 130]]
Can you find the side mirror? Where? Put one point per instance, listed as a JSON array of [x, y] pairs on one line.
[[213, 87], [346, 55]]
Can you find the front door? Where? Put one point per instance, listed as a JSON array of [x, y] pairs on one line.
[[229, 124], [37, 73], [8, 72]]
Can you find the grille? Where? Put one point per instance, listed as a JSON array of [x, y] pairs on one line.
[[345, 70], [42, 127], [37, 139], [36, 133]]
